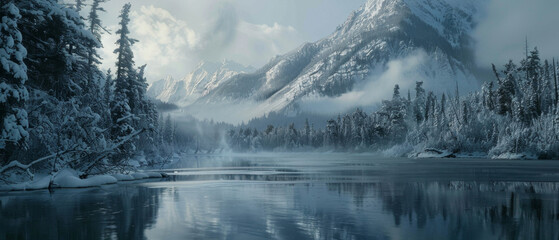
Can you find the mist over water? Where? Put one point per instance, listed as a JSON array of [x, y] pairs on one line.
[[289, 196]]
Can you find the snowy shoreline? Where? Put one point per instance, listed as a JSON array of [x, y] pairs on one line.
[[69, 179]]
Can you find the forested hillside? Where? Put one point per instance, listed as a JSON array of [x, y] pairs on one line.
[[58, 109], [513, 115]]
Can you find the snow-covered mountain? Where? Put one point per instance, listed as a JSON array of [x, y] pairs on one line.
[[359, 54], [379, 32], [205, 77]]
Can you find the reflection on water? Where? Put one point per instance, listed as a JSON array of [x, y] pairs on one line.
[[302, 198], [122, 212]]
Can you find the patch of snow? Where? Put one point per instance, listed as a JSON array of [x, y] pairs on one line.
[[432, 153], [515, 156], [123, 177], [69, 179], [139, 176]]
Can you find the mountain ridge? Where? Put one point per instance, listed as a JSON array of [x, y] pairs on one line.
[[206, 76], [380, 32]]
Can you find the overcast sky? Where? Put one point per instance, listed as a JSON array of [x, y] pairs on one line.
[[501, 34], [175, 35]]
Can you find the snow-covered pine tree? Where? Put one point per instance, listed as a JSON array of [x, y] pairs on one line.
[[533, 72], [96, 28], [307, 134], [168, 130], [107, 99], [121, 111], [506, 89], [396, 93], [55, 57], [125, 72], [291, 137], [331, 136], [147, 115], [419, 102], [488, 95], [13, 75], [546, 86], [556, 88]]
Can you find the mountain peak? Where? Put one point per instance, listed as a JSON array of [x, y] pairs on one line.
[[451, 19], [428, 40], [206, 76]]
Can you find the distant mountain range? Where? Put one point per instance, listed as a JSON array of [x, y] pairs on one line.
[[206, 77], [357, 52]]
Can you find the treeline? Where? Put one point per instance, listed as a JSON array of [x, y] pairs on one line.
[[58, 109], [515, 113]]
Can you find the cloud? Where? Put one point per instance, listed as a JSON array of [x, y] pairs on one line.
[[170, 45], [372, 91], [501, 33], [222, 32], [255, 44], [164, 42], [231, 37], [233, 113]]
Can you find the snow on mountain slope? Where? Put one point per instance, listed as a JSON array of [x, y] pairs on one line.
[[205, 77], [356, 54], [381, 31]]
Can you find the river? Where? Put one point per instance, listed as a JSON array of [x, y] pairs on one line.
[[302, 196]]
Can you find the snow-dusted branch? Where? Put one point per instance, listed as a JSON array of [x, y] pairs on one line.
[[17, 164], [100, 155]]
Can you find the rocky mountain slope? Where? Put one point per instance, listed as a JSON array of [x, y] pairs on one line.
[[358, 52], [206, 77]]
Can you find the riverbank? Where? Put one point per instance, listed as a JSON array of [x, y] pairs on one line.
[[69, 178]]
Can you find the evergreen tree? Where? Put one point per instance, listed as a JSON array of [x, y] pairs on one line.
[[125, 72], [546, 86], [419, 102], [357, 127], [506, 89], [96, 28], [168, 130], [555, 84], [57, 58], [443, 105], [121, 112], [13, 93], [488, 96], [533, 70], [396, 93], [332, 134], [307, 133], [107, 99]]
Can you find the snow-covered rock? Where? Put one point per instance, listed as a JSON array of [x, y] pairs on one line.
[[69, 179], [433, 153]]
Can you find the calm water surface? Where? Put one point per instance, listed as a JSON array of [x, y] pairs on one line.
[[302, 196]]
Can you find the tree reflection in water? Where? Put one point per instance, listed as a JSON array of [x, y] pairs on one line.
[[281, 207], [118, 211]]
